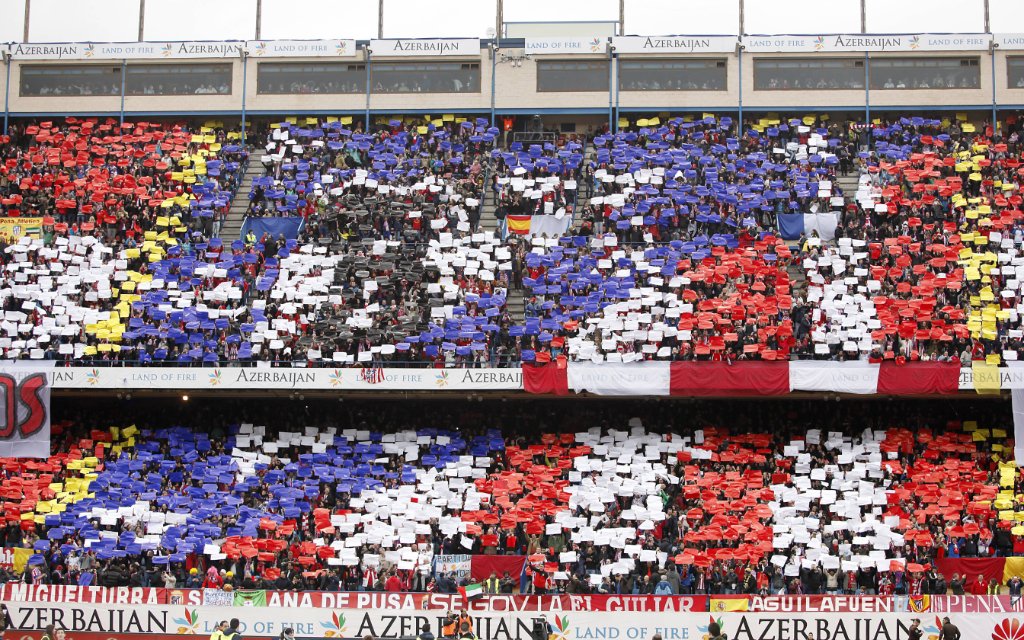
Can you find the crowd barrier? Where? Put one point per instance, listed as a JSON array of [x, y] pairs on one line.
[[97, 613]]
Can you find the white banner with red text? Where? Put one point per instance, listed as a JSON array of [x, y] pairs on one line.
[[24, 412]]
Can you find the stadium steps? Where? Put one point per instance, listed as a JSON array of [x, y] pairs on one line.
[[488, 222], [848, 185], [515, 304], [232, 228], [797, 279]]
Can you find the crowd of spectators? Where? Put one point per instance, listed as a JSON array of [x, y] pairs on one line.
[[87, 175], [664, 241], [925, 266], [607, 499]]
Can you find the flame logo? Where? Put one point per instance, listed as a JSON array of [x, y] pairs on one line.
[[819, 43], [342, 48], [704, 629], [915, 42], [215, 378], [336, 627], [167, 50], [560, 629], [596, 45], [335, 378], [93, 377], [260, 49], [189, 625], [933, 630], [1008, 629], [441, 379], [90, 50]]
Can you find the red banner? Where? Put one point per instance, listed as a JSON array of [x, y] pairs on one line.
[[884, 604], [358, 599], [546, 379], [919, 378], [483, 565], [724, 379], [61, 594], [970, 569], [840, 604]]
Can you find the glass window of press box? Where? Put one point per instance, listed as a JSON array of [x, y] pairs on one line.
[[71, 80], [1015, 72], [800, 74], [925, 73], [425, 77], [178, 79], [306, 78], [673, 75], [568, 75]]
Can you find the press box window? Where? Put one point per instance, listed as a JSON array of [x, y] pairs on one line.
[[673, 75], [277, 78], [558, 75], [71, 80], [178, 79], [428, 77], [1015, 72], [802, 74], [925, 73]]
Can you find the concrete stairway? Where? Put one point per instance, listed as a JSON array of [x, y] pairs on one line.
[[515, 304], [487, 208], [232, 227], [848, 184], [585, 187], [798, 280]]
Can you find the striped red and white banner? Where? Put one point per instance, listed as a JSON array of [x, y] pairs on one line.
[[704, 379]]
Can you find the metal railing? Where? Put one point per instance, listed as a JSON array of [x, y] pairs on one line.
[[534, 137]]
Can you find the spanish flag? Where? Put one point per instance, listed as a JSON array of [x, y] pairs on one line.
[[719, 605], [519, 225]]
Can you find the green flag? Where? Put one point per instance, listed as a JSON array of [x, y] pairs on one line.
[[251, 598]]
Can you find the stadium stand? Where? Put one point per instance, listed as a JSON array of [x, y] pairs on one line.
[[753, 503], [926, 265], [554, 334], [123, 179], [681, 251]]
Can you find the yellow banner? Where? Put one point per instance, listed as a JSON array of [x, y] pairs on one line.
[[15, 228], [986, 377], [1013, 567], [728, 604], [21, 557]]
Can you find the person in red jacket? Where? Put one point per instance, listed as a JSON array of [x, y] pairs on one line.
[[393, 584], [214, 581], [540, 581], [977, 586]]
